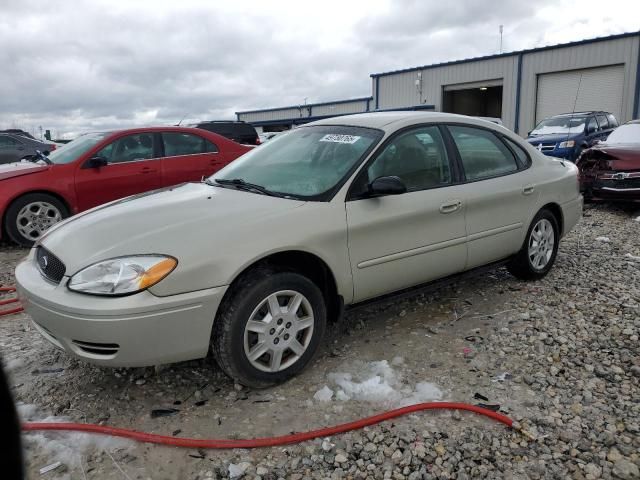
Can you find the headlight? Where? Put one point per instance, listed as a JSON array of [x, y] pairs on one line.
[[567, 144], [122, 276]]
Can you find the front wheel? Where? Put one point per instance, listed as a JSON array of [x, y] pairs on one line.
[[540, 248], [269, 328]]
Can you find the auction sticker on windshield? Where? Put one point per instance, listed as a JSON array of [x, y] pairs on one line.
[[338, 138]]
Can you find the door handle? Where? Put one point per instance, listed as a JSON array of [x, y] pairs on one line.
[[147, 170], [528, 190], [451, 206]]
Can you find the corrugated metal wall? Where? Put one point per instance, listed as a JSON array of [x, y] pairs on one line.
[[269, 115], [597, 54], [400, 90], [358, 106]]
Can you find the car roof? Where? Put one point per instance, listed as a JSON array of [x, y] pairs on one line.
[[392, 120], [591, 112], [168, 128]]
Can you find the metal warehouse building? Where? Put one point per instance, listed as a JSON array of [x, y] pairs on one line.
[[520, 87]]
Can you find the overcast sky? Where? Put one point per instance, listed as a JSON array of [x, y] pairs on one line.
[[74, 66]]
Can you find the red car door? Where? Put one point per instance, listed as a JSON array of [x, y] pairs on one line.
[[130, 167], [188, 157]]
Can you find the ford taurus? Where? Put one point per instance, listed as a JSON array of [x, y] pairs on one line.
[[252, 262]]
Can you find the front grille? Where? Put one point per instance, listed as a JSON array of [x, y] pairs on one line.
[[50, 266], [97, 348], [624, 183], [548, 147]]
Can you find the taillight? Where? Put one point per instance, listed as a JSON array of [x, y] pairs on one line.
[[257, 140], [52, 147]]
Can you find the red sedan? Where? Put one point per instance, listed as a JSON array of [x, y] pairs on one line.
[[611, 170], [103, 166]]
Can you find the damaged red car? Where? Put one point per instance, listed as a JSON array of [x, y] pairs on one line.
[[611, 170]]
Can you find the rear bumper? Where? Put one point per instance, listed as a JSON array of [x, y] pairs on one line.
[[571, 214], [133, 331]]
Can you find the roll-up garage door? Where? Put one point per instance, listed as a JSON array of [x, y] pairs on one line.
[[599, 89]]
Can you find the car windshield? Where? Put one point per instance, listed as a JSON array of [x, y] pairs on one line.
[[629, 133], [72, 150], [560, 125], [305, 163]]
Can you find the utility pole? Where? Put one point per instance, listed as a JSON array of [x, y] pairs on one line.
[[500, 38]]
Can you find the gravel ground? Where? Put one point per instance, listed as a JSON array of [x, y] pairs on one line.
[[560, 356]]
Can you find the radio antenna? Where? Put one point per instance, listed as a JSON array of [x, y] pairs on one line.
[[575, 102]]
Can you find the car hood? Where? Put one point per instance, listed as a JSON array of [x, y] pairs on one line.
[[551, 138], [189, 222], [17, 169], [619, 157]]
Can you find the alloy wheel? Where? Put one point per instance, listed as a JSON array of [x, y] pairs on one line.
[[541, 244], [278, 331]]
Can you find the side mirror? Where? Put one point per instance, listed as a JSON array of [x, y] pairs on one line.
[[391, 185], [97, 162]]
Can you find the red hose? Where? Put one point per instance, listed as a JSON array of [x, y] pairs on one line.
[[265, 441], [11, 300], [7, 302]]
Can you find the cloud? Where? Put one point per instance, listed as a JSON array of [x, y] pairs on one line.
[[80, 66]]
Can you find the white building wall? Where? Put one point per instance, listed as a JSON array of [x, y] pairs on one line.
[[607, 52]]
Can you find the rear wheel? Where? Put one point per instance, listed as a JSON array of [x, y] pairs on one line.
[[269, 328], [29, 216], [540, 248]]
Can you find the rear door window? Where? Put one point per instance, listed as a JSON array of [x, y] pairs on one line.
[[603, 122], [482, 153], [521, 155], [176, 144]]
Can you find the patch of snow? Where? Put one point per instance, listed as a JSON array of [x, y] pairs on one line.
[[66, 447], [603, 239], [637, 219], [26, 411], [238, 470], [632, 257], [324, 394], [397, 361], [13, 364], [379, 382], [502, 377]]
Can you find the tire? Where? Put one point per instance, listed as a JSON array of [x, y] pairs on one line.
[[527, 265], [38, 209], [234, 339]]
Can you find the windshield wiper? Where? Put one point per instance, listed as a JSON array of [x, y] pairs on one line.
[[241, 184]]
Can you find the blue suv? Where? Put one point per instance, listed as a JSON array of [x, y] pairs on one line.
[[566, 135]]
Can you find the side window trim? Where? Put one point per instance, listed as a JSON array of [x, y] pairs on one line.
[[498, 137], [351, 196]]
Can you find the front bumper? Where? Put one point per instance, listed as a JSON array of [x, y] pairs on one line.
[[133, 331], [623, 189]]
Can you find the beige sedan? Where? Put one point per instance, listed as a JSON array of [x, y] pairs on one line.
[[254, 261]]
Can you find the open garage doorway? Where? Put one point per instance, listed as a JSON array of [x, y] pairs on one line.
[[477, 100]]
